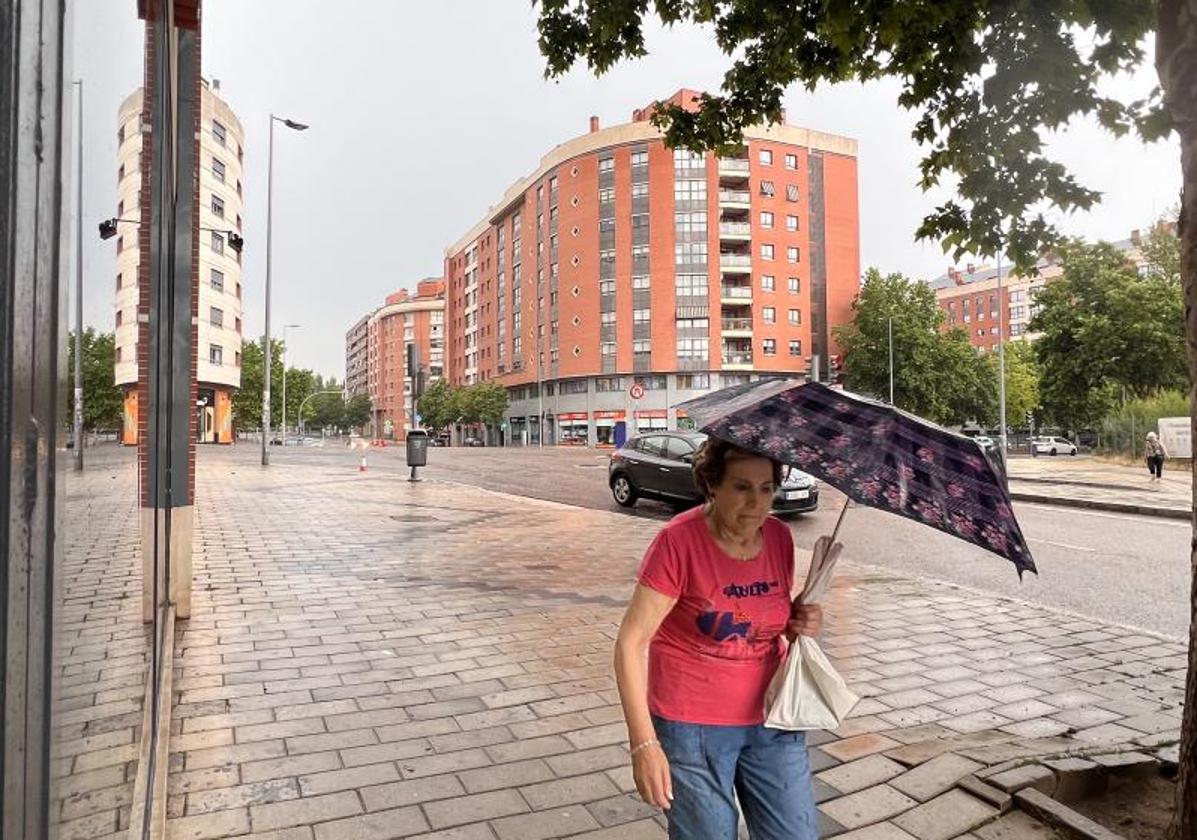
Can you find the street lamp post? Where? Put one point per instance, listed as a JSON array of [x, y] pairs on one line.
[[1002, 358], [295, 126], [78, 418], [285, 328], [891, 359]]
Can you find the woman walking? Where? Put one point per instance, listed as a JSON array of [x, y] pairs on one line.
[[709, 613], [1156, 455]]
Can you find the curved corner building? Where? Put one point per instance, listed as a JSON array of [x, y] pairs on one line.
[[218, 325], [621, 263]]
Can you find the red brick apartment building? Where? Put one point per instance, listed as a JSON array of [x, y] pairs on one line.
[[620, 262], [376, 353]]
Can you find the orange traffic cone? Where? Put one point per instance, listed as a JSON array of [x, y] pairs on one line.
[[362, 468]]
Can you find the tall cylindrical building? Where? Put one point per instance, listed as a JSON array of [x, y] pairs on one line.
[[218, 350]]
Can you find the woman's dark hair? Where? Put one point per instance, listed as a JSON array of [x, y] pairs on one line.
[[712, 458]]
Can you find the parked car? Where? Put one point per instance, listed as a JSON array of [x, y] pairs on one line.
[[984, 441], [1052, 446], [658, 465]]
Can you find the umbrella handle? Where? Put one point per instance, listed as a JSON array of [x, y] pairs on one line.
[[840, 521]]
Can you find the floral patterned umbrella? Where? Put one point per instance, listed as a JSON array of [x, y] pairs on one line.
[[876, 454]]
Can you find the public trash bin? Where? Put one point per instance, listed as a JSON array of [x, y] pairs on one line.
[[417, 448]]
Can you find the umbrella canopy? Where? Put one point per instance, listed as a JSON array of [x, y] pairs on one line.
[[876, 454]]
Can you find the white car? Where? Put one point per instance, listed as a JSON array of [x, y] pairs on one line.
[[1053, 446]]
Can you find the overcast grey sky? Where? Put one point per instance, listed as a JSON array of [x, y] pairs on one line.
[[423, 113]]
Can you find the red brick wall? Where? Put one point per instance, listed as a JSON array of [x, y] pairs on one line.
[[842, 239]]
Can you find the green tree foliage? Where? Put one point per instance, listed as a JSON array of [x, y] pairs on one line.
[[1106, 328], [357, 412], [439, 407], [1022, 384], [102, 401], [247, 402], [483, 403], [937, 375]]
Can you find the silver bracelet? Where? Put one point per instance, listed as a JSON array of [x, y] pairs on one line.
[[651, 742]]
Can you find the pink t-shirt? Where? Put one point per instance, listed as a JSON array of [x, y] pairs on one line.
[[714, 654]]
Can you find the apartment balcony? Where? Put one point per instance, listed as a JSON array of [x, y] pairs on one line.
[[735, 231], [737, 327], [733, 168], [740, 199], [737, 357], [730, 293], [735, 263]]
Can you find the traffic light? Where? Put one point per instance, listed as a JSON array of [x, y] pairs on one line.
[[414, 370]]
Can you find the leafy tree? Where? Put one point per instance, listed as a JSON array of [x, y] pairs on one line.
[[102, 400], [247, 402], [1162, 250], [1105, 328], [484, 403], [936, 375], [439, 407], [357, 411], [990, 81], [1022, 383]]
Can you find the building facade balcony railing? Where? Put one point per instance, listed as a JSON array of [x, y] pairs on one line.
[[735, 261], [740, 293], [735, 229], [737, 325], [733, 165], [738, 359], [735, 197]]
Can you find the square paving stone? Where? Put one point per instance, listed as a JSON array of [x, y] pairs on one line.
[[935, 776], [862, 773], [859, 746], [946, 816], [880, 831], [867, 806], [621, 809]]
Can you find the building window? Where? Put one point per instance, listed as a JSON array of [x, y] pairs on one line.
[[687, 159], [120, 173], [120, 208], [119, 316], [641, 316], [791, 161], [642, 281], [607, 319], [700, 324], [795, 348], [768, 283], [120, 135], [606, 287], [693, 381], [606, 164], [795, 317], [640, 190], [792, 192], [770, 346], [118, 282], [792, 253], [690, 222], [237, 359], [642, 346], [769, 314], [607, 195], [639, 159], [766, 219], [238, 325], [119, 353], [604, 384], [218, 170], [217, 243], [767, 189], [693, 348], [120, 244], [607, 348], [693, 191], [766, 252], [691, 285], [216, 316], [690, 253], [766, 157], [218, 206], [218, 133], [791, 223], [655, 382], [795, 285], [215, 354]]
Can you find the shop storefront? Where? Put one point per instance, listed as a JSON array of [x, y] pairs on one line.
[[574, 429], [610, 428], [652, 420]]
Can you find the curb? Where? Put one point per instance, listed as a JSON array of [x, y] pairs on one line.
[[1074, 483], [1093, 504]]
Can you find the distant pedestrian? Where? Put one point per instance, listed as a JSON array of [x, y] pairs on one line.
[[1156, 455], [713, 603]]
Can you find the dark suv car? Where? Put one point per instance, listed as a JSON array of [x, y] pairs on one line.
[[657, 465]]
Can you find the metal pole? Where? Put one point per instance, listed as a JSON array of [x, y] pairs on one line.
[[78, 436], [891, 360], [1002, 359], [539, 392], [284, 389], [266, 336]]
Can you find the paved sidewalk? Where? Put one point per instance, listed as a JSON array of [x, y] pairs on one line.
[[371, 658], [1098, 484]]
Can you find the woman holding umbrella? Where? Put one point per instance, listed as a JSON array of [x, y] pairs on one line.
[[697, 647]]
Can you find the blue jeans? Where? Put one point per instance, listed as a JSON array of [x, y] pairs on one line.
[[711, 765]]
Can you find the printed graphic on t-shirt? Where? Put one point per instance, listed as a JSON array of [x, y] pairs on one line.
[[726, 624]]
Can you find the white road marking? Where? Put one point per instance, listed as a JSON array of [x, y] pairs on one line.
[[1068, 546], [1154, 520]]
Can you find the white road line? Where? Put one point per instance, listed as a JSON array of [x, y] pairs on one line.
[[1133, 517], [1068, 546]]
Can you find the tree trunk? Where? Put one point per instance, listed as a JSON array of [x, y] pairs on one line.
[[1176, 62]]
